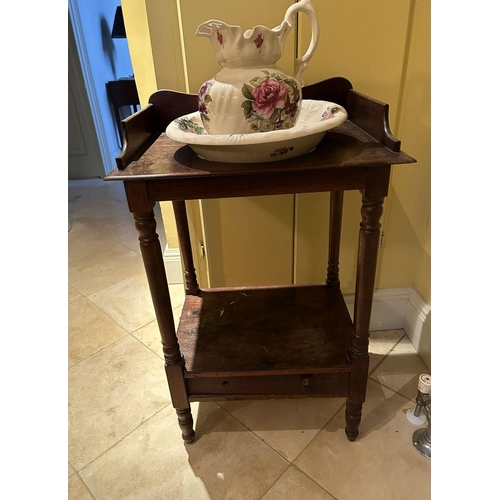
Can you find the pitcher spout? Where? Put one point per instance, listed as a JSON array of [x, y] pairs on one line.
[[224, 38], [205, 29], [212, 29]]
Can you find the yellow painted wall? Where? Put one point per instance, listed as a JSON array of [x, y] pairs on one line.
[[248, 241], [155, 46], [383, 48], [406, 256]]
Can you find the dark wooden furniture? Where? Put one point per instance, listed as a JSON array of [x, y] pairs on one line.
[[122, 93], [272, 341]]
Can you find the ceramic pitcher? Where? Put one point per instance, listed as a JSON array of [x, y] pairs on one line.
[[250, 93]]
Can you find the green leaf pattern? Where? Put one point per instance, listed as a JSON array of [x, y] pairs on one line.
[[189, 126]]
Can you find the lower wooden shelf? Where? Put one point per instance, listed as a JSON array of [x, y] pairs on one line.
[[278, 341]]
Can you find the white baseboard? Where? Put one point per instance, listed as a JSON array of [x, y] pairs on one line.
[[172, 255], [401, 309], [173, 266], [417, 326], [388, 310]]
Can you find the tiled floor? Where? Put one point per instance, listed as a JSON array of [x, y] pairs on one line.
[[124, 441]]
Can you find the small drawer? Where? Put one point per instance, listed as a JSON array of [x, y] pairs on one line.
[[323, 384]]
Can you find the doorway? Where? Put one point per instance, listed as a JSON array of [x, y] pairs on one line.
[[84, 156]]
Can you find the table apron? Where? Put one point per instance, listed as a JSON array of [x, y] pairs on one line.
[[256, 184]]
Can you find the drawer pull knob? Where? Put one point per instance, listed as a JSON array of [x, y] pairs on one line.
[[307, 384]]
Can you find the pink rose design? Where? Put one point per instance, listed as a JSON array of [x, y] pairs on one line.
[[220, 38], [259, 41], [270, 95]]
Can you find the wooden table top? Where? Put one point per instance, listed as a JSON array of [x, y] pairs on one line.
[[345, 146]]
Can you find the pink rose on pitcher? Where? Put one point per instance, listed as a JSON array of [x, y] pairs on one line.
[[259, 41], [271, 94]]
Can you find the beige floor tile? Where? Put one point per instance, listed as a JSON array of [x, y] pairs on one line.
[[129, 302], [89, 330], [381, 343], [110, 394], [81, 184], [287, 425], [295, 485], [77, 490], [73, 294], [401, 369], [226, 461], [100, 270], [115, 190], [122, 230], [84, 241], [175, 274], [381, 464], [95, 210], [71, 471], [80, 191], [95, 204], [150, 334]]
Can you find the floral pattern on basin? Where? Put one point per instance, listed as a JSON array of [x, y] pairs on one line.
[[281, 151], [190, 126], [330, 112], [272, 102], [315, 118]]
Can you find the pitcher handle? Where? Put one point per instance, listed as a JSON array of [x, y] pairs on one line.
[[305, 6]]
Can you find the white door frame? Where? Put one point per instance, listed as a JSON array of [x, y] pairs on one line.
[[74, 15]]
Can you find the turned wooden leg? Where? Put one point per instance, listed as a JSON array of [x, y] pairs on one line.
[[332, 274], [181, 222], [352, 420], [369, 235], [186, 424], [157, 279]]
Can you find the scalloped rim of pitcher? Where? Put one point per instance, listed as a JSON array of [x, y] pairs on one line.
[[250, 32], [311, 121], [261, 28]]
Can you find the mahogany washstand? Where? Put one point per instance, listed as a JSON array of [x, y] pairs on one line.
[[270, 342]]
